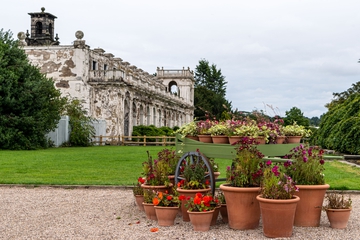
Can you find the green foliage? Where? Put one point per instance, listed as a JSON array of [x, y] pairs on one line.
[[30, 105], [151, 130], [340, 98], [81, 128], [209, 93], [295, 115], [337, 201], [340, 126]]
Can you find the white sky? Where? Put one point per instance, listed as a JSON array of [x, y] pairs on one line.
[[282, 53]]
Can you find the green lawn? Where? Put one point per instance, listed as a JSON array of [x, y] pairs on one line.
[[115, 165]]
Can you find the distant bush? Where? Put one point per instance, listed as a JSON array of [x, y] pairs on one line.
[[151, 130]]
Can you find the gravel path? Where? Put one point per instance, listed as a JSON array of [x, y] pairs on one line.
[[110, 213]]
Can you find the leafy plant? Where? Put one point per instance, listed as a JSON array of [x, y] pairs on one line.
[[218, 128], [296, 130], [137, 189], [306, 166], [156, 172], [190, 129], [275, 184], [166, 200], [337, 201], [149, 195], [194, 177], [200, 203], [245, 170], [221, 197], [168, 156]]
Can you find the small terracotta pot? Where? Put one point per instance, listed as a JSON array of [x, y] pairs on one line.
[[150, 211], [338, 218], [293, 139], [205, 138], [139, 199], [215, 216], [166, 215], [201, 220], [223, 213], [220, 139], [189, 193]]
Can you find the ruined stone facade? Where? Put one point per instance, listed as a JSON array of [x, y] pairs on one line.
[[110, 88]]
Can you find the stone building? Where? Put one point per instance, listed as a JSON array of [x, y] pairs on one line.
[[110, 88]]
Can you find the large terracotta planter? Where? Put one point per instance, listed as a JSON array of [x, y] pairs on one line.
[[189, 193], [220, 139], [161, 188], [280, 139], [242, 206], [293, 139], [277, 216], [205, 138], [308, 210], [166, 215], [150, 211], [338, 218], [139, 199], [223, 213], [234, 139], [201, 220]]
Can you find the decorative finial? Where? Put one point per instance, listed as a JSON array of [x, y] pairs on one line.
[[79, 35], [42, 9]]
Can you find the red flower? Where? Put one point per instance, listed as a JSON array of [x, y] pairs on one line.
[[141, 180], [182, 197], [169, 197]]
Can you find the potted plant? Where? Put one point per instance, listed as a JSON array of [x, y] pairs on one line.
[[166, 208], [193, 182], [305, 167], [295, 132], [200, 210], [189, 130], [202, 128], [156, 174], [223, 208], [148, 204], [337, 209], [277, 201], [138, 192], [243, 185], [219, 132], [170, 158]]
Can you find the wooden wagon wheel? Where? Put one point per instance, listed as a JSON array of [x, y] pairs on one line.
[[195, 158]]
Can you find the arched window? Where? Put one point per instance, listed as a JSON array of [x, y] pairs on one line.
[[38, 28], [173, 88]]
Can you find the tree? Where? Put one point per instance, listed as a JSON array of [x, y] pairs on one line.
[[210, 90], [342, 96], [81, 126], [295, 115], [30, 105]]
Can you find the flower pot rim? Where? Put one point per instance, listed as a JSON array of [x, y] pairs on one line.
[[165, 207], [227, 186], [280, 201], [157, 186], [193, 190], [200, 212], [338, 209], [320, 186]]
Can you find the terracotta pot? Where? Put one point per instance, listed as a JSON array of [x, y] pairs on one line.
[[223, 213], [150, 211], [201, 220], [242, 207], [166, 215], [280, 139], [161, 188], [139, 199], [196, 138], [215, 216], [261, 140], [277, 216], [205, 138], [234, 139], [293, 139], [220, 139], [338, 218], [189, 193], [308, 210]]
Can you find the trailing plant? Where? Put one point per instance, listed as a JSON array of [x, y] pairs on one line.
[[306, 165]]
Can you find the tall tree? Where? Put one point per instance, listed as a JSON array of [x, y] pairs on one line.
[[295, 115], [339, 98], [210, 90], [30, 105]]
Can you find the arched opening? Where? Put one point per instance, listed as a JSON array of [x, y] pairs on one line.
[[173, 88], [141, 113], [126, 115], [134, 113], [38, 29]]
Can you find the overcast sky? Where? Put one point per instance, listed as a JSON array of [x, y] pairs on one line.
[[279, 53]]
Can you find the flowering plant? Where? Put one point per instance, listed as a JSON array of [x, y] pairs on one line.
[[218, 128], [189, 129], [194, 177], [306, 165], [337, 201], [200, 203], [249, 129], [137, 189], [149, 195], [166, 200], [275, 184], [296, 130], [169, 157], [245, 170], [203, 126], [156, 172]]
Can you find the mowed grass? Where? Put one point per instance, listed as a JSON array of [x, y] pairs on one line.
[[116, 165]]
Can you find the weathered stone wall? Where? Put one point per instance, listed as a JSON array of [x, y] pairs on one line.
[[113, 90]]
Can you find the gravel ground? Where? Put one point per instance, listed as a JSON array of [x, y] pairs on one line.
[[111, 213]]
